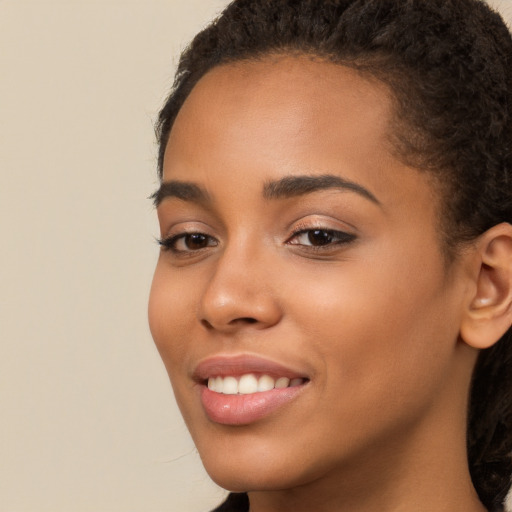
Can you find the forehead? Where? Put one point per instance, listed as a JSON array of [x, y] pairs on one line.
[[274, 78], [252, 122], [284, 98]]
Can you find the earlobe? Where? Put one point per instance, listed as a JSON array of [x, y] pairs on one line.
[[489, 312]]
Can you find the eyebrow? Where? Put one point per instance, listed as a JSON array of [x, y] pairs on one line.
[[183, 190], [293, 186], [284, 188]]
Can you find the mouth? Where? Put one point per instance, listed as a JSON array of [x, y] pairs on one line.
[[242, 390], [250, 383]]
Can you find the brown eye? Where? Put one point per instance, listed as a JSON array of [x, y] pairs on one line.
[[321, 238], [188, 242], [195, 241]]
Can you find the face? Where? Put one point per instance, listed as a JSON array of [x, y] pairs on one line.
[[301, 277]]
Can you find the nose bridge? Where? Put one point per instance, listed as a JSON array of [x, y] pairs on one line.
[[239, 291]]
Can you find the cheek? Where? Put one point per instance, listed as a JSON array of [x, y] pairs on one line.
[[376, 333], [169, 313]]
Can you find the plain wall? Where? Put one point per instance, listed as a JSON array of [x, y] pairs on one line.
[[87, 418]]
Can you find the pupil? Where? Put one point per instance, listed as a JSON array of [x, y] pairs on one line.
[[196, 241], [319, 237]]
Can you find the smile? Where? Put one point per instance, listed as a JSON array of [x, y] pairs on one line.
[[243, 389], [249, 383]]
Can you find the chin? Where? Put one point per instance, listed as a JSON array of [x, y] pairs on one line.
[[259, 468], [251, 478]]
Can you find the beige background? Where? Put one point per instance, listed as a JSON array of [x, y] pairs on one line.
[[87, 418]]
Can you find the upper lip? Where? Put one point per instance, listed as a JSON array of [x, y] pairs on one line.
[[236, 365]]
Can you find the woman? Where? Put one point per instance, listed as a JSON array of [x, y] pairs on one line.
[[335, 280]]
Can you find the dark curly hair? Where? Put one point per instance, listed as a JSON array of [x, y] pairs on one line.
[[448, 66]]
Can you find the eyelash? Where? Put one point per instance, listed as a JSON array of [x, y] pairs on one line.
[[332, 238], [342, 238], [169, 243]]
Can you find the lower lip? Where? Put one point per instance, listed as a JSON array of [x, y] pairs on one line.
[[245, 409]]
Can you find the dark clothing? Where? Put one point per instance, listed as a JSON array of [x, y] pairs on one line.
[[240, 503], [235, 502]]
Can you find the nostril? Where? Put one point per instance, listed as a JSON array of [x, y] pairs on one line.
[[236, 321], [206, 324], [220, 323], [247, 320]]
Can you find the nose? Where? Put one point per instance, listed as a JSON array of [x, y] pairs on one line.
[[239, 294]]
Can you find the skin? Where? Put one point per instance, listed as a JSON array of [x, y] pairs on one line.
[[374, 323]]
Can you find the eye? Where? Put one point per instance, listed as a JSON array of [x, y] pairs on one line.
[[320, 238], [187, 242]]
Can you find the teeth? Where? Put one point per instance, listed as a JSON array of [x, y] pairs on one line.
[[265, 383], [230, 386], [249, 383], [282, 382]]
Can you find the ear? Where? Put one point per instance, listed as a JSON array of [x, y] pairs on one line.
[[488, 315]]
